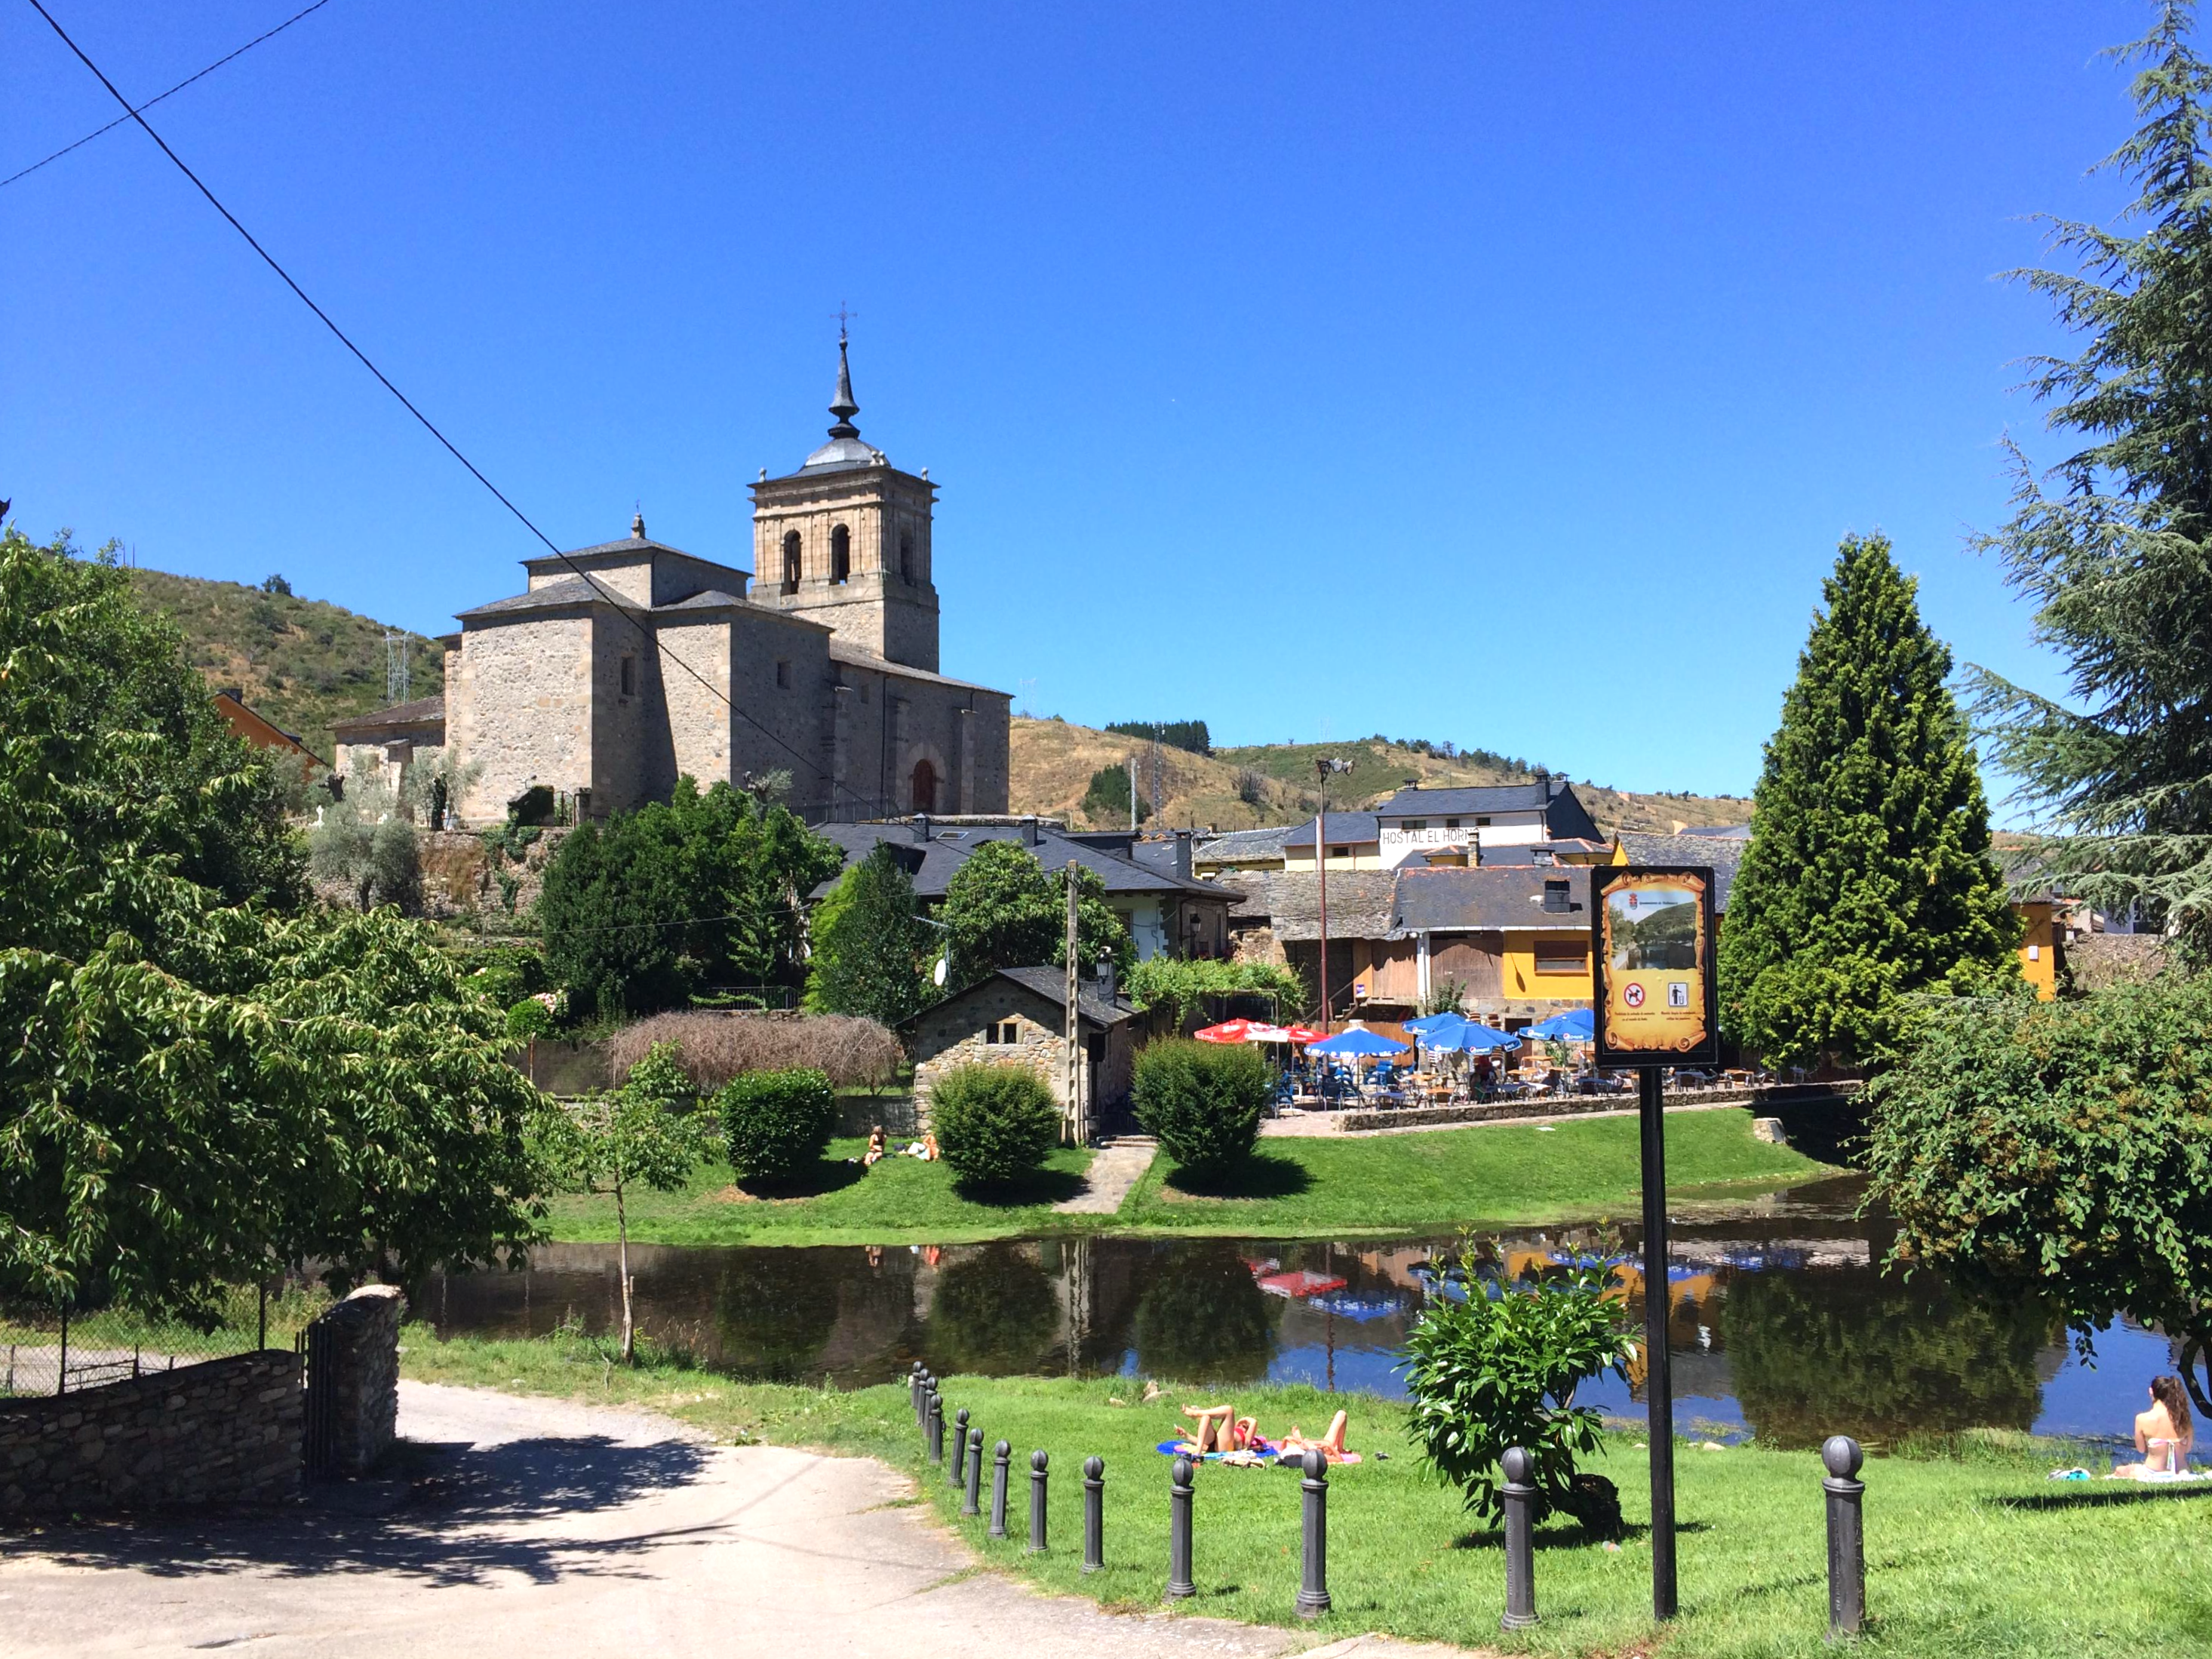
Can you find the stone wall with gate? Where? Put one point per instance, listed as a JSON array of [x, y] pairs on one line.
[[222, 1432]]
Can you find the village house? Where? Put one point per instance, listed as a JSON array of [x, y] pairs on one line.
[[1018, 1017], [1350, 837], [1481, 824], [625, 664], [1167, 910], [250, 726]]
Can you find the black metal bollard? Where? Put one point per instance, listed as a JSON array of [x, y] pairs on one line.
[[1002, 1456], [914, 1391], [968, 1504], [1313, 1585], [1841, 1455], [957, 1473], [1520, 1499], [1094, 1514], [1037, 1461], [1178, 1494], [936, 1427]]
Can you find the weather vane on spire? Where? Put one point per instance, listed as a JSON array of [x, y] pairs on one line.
[[843, 318]]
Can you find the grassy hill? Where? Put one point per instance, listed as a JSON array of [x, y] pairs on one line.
[[301, 663], [1275, 783]]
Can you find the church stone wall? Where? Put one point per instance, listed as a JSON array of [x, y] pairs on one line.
[[789, 708], [520, 708]]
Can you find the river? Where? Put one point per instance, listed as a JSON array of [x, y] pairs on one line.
[[1781, 1322]]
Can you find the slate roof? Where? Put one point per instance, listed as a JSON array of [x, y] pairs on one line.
[[1051, 984], [1240, 844], [569, 590], [1564, 816], [1724, 853], [423, 711], [1723, 831], [841, 652], [1359, 903], [1348, 827], [932, 863], [1495, 899]]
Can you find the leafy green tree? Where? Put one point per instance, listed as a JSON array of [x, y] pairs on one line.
[[870, 943], [195, 1082], [2062, 1149], [646, 1133], [1108, 797], [2119, 559], [645, 911], [1002, 909], [1868, 879], [364, 842], [1492, 1371]]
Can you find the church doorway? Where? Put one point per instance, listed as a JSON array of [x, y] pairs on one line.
[[925, 787]]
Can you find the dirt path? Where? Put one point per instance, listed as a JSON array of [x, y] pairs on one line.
[[535, 1529]]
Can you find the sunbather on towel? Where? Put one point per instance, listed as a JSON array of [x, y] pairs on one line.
[[1331, 1445], [1220, 1430]]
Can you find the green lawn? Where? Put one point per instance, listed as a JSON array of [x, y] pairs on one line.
[[1972, 1552], [1293, 1188]]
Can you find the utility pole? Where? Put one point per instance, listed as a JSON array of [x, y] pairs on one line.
[[1133, 795], [1076, 1131], [1324, 765], [1156, 771]]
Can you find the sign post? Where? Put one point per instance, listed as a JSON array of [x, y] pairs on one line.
[[1651, 958]]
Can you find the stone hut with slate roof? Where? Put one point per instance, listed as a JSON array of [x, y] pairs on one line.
[[623, 666], [1018, 1017]]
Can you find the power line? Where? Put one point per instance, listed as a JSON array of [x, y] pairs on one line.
[[172, 91], [427, 425]]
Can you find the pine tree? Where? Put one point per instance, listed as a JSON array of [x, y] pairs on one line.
[[869, 943], [2119, 559], [1868, 879]]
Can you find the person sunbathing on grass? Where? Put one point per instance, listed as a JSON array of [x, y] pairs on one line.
[[1220, 1430], [1331, 1445], [2164, 1434], [875, 1153]]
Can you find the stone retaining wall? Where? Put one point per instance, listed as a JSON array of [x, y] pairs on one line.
[[1769, 1097], [222, 1432], [364, 1362]]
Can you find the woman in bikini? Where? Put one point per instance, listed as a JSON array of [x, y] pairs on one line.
[[2164, 1434]]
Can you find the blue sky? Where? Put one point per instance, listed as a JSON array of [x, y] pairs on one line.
[[1314, 370]]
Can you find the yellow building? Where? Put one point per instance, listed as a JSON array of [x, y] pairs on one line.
[[1354, 841]]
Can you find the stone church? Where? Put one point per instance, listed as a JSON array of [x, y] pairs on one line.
[[622, 667]]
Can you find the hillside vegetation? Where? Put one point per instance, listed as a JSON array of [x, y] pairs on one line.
[[1241, 788], [303, 663]]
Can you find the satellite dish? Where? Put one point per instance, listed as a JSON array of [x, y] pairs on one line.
[[937, 974]]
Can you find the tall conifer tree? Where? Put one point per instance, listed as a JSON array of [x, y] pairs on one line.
[[2119, 557], [870, 943], [1868, 879]]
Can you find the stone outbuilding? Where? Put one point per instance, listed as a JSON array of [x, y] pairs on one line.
[[1018, 1017]]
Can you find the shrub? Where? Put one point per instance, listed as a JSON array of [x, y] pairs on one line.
[[1500, 1369], [528, 1019], [776, 1122], [1203, 1100], [993, 1124], [714, 1048]]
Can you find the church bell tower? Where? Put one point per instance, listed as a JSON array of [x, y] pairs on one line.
[[845, 541]]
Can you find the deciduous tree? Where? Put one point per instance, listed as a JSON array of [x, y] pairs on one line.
[[869, 943], [1002, 909]]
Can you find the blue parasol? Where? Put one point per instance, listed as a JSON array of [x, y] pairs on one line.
[[1576, 1025], [1357, 1042]]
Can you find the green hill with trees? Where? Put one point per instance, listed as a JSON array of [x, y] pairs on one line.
[[303, 663]]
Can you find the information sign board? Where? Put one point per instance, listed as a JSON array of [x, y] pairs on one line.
[[1651, 954]]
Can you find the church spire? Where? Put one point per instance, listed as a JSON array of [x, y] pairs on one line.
[[843, 407]]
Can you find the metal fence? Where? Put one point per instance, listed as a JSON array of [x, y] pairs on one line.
[[47, 1349]]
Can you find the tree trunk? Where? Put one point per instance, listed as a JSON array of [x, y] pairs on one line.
[[2196, 1356], [621, 1246]]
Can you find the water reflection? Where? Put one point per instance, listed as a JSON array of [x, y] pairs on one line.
[[1778, 1319]]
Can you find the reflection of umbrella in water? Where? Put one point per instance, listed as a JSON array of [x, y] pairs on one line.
[[1299, 1282], [1359, 1308]]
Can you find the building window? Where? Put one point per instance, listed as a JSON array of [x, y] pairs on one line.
[[1556, 896], [840, 555], [783, 676], [1002, 1032], [925, 787], [1340, 852], [791, 561], [906, 558], [1412, 824], [1482, 824], [1451, 823], [1562, 956], [629, 677]]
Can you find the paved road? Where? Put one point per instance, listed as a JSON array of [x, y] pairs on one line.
[[538, 1530]]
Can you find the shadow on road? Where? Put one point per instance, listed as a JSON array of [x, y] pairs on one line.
[[466, 1512]]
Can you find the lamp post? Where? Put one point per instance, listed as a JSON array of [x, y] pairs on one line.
[[1324, 765]]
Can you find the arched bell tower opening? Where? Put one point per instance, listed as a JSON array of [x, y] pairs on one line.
[[869, 578]]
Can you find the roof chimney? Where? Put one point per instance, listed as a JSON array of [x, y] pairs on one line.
[[233, 692], [1182, 839], [1030, 831], [921, 826]]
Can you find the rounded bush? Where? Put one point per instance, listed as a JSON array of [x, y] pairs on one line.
[[1202, 1101], [777, 1123], [993, 1124]]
